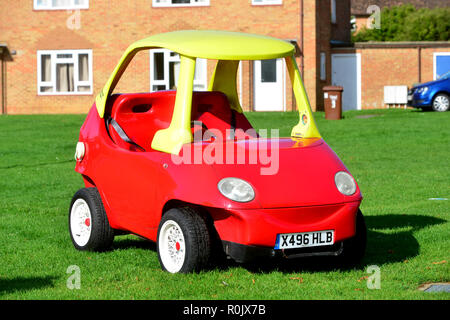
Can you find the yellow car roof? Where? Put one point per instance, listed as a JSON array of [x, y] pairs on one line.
[[226, 47], [220, 45]]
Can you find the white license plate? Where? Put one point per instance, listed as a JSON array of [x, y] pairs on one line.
[[305, 239]]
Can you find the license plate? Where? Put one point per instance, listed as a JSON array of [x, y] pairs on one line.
[[410, 97], [305, 239]]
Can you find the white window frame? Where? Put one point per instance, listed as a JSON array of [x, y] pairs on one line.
[[71, 6], [168, 3], [200, 81], [266, 2], [54, 61], [435, 55]]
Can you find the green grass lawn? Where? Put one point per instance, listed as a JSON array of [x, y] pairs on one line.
[[400, 159]]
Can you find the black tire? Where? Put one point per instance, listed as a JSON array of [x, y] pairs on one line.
[[195, 250], [101, 235], [355, 247], [441, 103]]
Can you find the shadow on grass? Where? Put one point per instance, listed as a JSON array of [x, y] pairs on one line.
[[390, 239], [136, 243], [385, 244], [25, 284]]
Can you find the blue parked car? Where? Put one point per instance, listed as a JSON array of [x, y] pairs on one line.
[[435, 94]]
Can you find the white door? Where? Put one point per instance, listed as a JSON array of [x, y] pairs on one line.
[[346, 72], [269, 85]]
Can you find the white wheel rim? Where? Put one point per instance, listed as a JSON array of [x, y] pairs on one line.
[[172, 247], [80, 222], [441, 103]]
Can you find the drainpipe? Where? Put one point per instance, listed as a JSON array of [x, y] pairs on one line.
[[3, 80], [419, 49], [302, 59]]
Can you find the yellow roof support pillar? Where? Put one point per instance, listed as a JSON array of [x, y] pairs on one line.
[[224, 80], [306, 127], [171, 140]]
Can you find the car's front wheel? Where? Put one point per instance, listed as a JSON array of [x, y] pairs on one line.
[[183, 241], [355, 247], [441, 102]]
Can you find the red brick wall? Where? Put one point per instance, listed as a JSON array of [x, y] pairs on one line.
[[108, 27]]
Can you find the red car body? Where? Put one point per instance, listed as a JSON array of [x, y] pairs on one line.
[[137, 187]]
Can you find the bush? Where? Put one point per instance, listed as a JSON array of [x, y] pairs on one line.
[[405, 23]]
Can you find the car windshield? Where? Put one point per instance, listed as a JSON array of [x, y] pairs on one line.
[[445, 76]]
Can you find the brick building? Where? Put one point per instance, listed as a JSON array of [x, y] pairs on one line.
[[64, 50], [369, 70]]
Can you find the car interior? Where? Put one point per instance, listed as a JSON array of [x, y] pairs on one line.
[[133, 119]]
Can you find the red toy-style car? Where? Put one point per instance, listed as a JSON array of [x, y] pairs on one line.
[[187, 170]]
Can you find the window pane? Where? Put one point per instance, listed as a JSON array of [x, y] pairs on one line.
[[269, 70], [64, 77], [41, 3], [159, 87], [158, 66], [174, 70], [323, 66], [46, 68], [60, 3], [83, 67], [84, 88], [46, 89], [64, 56]]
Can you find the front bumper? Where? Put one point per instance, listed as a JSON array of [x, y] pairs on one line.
[[418, 100], [251, 233], [242, 253]]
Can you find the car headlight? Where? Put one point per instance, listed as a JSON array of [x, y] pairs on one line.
[[345, 183], [422, 90], [236, 189], [80, 151]]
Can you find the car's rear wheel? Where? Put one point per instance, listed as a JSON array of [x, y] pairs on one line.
[[355, 247], [183, 241], [441, 102], [88, 224]]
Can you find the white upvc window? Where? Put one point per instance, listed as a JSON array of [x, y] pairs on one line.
[[441, 64], [266, 2], [165, 68], [60, 4], [64, 72], [180, 3]]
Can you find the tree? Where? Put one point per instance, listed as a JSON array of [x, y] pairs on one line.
[[405, 23]]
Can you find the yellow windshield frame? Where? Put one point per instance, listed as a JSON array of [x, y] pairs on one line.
[[229, 48]]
